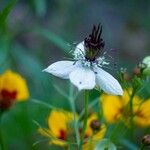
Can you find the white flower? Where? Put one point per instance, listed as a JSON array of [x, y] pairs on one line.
[[85, 72]]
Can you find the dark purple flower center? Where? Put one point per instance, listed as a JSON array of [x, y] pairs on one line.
[[94, 43]]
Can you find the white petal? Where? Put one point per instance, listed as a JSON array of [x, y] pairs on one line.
[[79, 50], [80, 46], [107, 82], [83, 78], [61, 69]]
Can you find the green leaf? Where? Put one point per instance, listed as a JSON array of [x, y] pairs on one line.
[[105, 144], [4, 13], [42, 103]]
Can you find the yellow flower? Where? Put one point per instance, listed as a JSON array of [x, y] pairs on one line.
[[59, 126], [117, 107], [12, 87], [142, 115], [60, 129], [95, 131]]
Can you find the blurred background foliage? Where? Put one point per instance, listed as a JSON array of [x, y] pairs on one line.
[[35, 33]]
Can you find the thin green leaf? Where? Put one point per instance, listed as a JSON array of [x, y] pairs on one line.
[[40, 141], [60, 91], [43, 103], [37, 124]]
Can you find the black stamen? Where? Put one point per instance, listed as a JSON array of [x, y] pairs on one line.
[[94, 43]]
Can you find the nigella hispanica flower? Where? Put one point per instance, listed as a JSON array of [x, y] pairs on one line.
[[85, 72]]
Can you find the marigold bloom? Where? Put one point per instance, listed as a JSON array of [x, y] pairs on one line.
[[117, 108], [95, 131], [12, 87]]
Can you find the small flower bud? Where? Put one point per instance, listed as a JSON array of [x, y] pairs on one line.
[[146, 140], [95, 125], [137, 71], [125, 75]]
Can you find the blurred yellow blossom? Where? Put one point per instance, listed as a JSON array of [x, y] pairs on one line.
[[59, 125], [12, 87], [61, 132], [117, 108], [95, 131]]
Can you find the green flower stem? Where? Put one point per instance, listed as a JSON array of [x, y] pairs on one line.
[[131, 112], [72, 104], [86, 97]]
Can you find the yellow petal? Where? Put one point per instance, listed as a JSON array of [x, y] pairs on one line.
[[44, 132], [90, 144], [94, 137], [142, 116], [58, 142], [112, 107], [126, 97], [59, 120], [100, 134], [53, 140], [92, 117], [11, 81]]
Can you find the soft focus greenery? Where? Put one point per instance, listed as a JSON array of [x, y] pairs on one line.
[[35, 33]]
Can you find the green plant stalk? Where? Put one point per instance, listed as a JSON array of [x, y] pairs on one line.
[[131, 112], [72, 104], [86, 97]]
